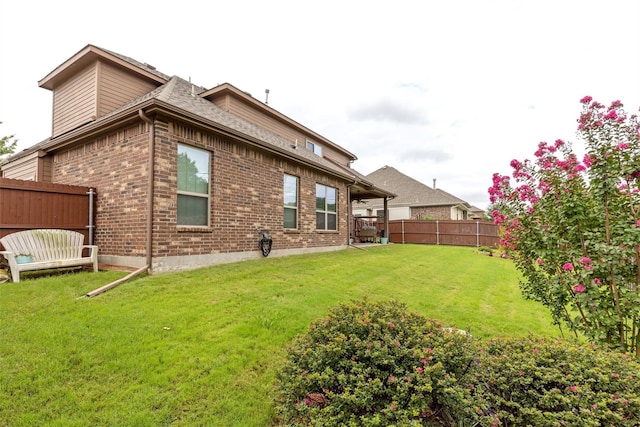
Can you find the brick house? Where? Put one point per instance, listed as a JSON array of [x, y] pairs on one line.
[[414, 199], [186, 176]]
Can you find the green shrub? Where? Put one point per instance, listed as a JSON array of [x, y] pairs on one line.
[[373, 364], [536, 382]]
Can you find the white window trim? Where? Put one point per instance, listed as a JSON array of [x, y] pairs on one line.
[[206, 196]]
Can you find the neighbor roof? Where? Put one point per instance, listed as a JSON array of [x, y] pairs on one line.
[[411, 192]]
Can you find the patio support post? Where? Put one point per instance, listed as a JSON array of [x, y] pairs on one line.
[[386, 220], [350, 216]]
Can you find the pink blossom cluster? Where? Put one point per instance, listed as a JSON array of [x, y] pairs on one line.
[[500, 187], [594, 115]]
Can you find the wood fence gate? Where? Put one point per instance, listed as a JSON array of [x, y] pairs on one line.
[[26, 205]]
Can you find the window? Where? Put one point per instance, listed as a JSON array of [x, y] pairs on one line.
[[290, 201], [326, 208], [193, 186], [316, 149]]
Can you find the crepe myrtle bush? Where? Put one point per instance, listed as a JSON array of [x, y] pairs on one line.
[[572, 226], [520, 382], [373, 364]]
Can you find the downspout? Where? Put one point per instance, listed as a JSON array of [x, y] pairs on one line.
[[148, 266], [152, 137]]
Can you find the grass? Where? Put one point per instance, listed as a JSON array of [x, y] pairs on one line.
[[202, 347]]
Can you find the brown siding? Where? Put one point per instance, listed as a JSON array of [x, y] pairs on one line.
[[25, 168], [249, 113], [117, 87], [334, 155], [74, 102], [33, 167], [44, 169]]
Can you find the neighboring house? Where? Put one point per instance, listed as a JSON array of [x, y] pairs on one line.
[[414, 199], [476, 213], [186, 176]]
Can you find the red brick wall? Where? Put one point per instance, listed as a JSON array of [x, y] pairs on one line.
[[116, 165], [246, 193]]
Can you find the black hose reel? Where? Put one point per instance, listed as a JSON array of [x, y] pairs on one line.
[[265, 242]]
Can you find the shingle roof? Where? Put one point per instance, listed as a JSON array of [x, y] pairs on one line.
[[178, 93], [410, 192]]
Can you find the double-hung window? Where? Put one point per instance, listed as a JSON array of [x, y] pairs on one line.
[[314, 148], [326, 208], [193, 186], [290, 202]]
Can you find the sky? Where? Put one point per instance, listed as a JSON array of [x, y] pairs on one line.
[[445, 90]]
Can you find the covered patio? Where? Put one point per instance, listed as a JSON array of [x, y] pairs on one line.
[[368, 229]]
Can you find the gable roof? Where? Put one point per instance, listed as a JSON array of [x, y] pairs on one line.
[[176, 97], [411, 192], [90, 53]]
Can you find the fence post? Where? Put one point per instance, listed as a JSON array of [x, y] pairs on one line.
[[90, 226], [477, 234], [403, 231], [437, 232]]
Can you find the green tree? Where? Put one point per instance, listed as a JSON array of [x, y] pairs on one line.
[[573, 226], [7, 144]]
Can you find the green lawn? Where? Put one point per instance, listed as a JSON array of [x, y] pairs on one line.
[[202, 347]]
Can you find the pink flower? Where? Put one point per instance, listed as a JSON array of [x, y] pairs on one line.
[[393, 406], [579, 289], [420, 370], [539, 261], [587, 99], [573, 388], [611, 115], [638, 223], [392, 379], [567, 267], [622, 146], [615, 104], [597, 281], [585, 260]]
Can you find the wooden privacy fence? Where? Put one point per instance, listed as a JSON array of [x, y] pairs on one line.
[[444, 232], [26, 205]]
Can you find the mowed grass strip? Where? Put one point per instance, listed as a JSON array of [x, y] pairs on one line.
[[201, 348]]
